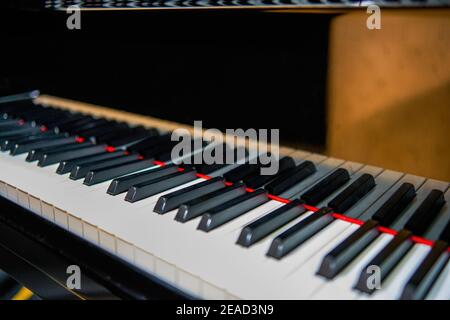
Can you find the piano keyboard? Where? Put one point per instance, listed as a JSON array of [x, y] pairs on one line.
[[223, 231]]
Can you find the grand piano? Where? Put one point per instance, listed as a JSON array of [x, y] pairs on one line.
[[87, 181]]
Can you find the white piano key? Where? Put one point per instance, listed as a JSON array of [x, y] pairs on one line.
[[22, 199], [11, 193], [125, 250], [47, 211], [75, 225], [189, 283], [90, 233], [61, 218], [441, 289], [165, 271], [107, 241], [3, 189]]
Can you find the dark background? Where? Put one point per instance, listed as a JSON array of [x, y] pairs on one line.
[[235, 69]]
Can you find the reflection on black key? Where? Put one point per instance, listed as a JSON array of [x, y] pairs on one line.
[[50, 158], [395, 205], [232, 209], [290, 178], [132, 139], [326, 187], [20, 148], [67, 166], [149, 142], [105, 174], [174, 199], [152, 187], [262, 227], [337, 259], [19, 131], [299, 233], [35, 154], [94, 123], [8, 143], [423, 279], [80, 170], [120, 185], [9, 122], [353, 193], [196, 207], [258, 181]]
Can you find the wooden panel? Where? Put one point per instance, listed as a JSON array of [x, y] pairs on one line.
[[389, 91]]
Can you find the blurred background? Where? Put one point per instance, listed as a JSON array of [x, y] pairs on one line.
[[380, 97]]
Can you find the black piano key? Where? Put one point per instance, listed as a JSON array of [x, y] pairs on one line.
[[35, 154], [424, 277], [29, 114], [158, 185], [386, 260], [210, 168], [115, 133], [132, 139], [232, 209], [102, 129], [392, 208], [162, 148], [174, 199], [81, 169], [45, 117], [196, 207], [299, 233], [20, 148], [445, 235], [338, 258], [290, 178], [352, 194], [67, 165], [50, 158], [11, 110], [122, 184], [14, 127], [150, 142], [69, 118], [241, 172], [25, 130], [7, 143], [258, 181], [326, 187], [426, 213], [105, 174], [269, 223], [9, 123], [94, 123], [72, 124]]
